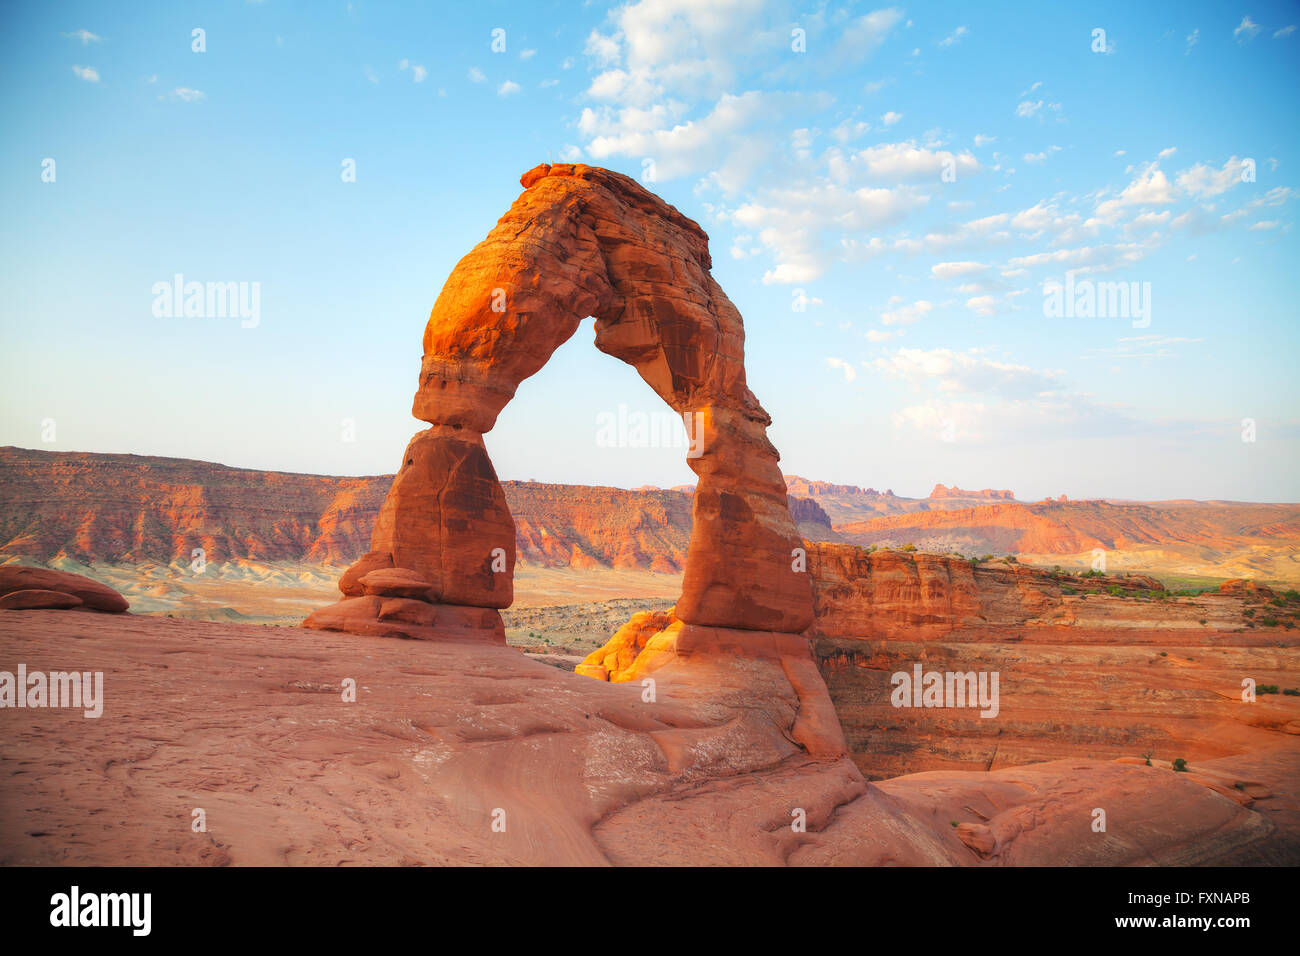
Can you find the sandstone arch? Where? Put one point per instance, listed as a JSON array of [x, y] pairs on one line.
[[579, 241]]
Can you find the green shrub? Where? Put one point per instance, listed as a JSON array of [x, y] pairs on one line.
[[1266, 689], [1180, 765]]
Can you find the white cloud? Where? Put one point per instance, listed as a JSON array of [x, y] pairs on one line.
[[1264, 225], [527, 54], [570, 154], [1192, 39], [508, 87], [87, 73], [1246, 30], [418, 73], [900, 162], [476, 75], [849, 372], [790, 222], [879, 335], [1150, 188], [1205, 181], [953, 37], [188, 95], [86, 37], [1284, 32], [1166, 153], [981, 304], [908, 314], [982, 140], [1027, 108], [1041, 157], [954, 270], [966, 373], [850, 130], [890, 118]]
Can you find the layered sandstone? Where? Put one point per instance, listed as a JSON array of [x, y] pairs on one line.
[[1096, 666]]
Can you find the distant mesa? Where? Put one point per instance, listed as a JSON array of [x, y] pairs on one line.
[[986, 494], [806, 488]]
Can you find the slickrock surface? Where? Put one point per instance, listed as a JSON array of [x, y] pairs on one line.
[[586, 241], [249, 724]]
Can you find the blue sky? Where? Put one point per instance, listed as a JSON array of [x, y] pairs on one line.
[[895, 315]]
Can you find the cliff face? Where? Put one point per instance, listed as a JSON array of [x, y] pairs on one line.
[[871, 595], [1094, 667], [121, 509], [133, 508], [584, 527]]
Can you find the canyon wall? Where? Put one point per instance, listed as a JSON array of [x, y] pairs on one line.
[[1088, 666]]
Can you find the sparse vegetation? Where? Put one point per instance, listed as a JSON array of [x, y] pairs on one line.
[[1180, 765], [909, 547]]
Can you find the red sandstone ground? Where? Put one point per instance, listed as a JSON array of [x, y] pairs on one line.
[[248, 723]]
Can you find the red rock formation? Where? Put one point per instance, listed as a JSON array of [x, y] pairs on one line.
[[33, 584], [881, 593], [586, 241], [942, 491]]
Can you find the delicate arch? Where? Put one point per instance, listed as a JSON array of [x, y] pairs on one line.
[[580, 241]]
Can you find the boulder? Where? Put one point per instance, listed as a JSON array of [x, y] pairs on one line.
[[33, 599], [93, 595]]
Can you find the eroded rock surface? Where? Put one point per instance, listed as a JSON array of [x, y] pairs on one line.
[[445, 737]]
